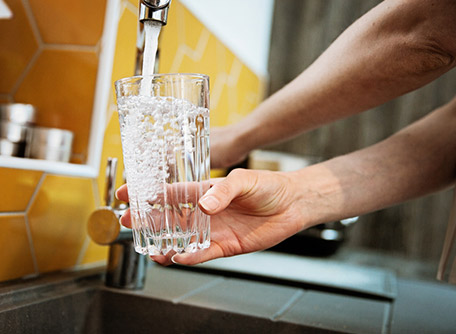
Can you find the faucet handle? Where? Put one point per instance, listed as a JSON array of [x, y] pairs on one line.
[[103, 225]]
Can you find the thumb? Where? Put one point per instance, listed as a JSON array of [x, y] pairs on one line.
[[222, 193]]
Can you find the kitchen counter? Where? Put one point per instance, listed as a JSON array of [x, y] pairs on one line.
[[334, 294], [403, 267], [245, 294]]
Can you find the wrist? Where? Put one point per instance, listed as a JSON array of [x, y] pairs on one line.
[[318, 195], [243, 139]]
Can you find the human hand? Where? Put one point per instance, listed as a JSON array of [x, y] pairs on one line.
[[250, 211]]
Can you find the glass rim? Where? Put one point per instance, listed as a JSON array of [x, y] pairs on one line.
[[161, 75]]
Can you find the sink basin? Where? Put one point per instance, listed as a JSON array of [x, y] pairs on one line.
[[104, 311], [238, 299], [65, 304]]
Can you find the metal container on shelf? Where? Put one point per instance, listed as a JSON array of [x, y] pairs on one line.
[[18, 113], [16, 120], [13, 132], [50, 144], [11, 149]]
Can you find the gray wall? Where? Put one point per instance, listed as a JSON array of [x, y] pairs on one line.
[[302, 30]]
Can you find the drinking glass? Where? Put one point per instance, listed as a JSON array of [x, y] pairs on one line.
[[164, 126]]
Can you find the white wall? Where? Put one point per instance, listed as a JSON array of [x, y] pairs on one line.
[[244, 26]]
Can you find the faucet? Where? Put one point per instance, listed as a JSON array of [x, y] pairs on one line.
[[126, 268], [149, 10], [156, 10]]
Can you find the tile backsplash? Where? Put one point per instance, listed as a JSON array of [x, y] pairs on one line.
[[53, 46], [49, 58]]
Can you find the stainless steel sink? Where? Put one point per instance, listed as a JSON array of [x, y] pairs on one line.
[[65, 303], [222, 298], [103, 311]]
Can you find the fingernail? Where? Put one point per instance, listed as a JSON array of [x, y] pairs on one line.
[[173, 260], [121, 220], [116, 193], [209, 203], [181, 259]]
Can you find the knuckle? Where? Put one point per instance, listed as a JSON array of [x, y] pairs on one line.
[[223, 188], [238, 172]]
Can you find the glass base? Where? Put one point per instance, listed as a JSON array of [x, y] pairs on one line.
[[180, 243]]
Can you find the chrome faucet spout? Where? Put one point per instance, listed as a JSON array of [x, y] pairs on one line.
[[155, 10]]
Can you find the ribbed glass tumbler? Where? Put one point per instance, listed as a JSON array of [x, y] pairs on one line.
[[164, 126]]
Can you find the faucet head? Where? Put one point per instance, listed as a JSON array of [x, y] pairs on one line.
[[157, 3], [154, 10]]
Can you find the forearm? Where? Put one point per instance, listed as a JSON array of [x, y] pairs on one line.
[[416, 161], [395, 48]]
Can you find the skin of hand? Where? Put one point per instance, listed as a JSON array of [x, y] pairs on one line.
[[261, 198], [397, 47], [254, 210]]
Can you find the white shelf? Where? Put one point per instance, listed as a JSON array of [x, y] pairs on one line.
[[51, 167]]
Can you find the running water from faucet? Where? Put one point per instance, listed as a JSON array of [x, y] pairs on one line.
[[151, 33]]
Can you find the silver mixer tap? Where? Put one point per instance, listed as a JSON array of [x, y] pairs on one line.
[[156, 10]]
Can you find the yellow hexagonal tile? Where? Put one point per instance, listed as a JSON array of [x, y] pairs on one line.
[[134, 2], [17, 188], [15, 255], [18, 45], [125, 52], [188, 26], [5, 99], [250, 91], [180, 39], [58, 218], [69, 22], [95, 253], [61, 85]]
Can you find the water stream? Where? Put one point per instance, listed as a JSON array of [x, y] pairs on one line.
[[151, 33]]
